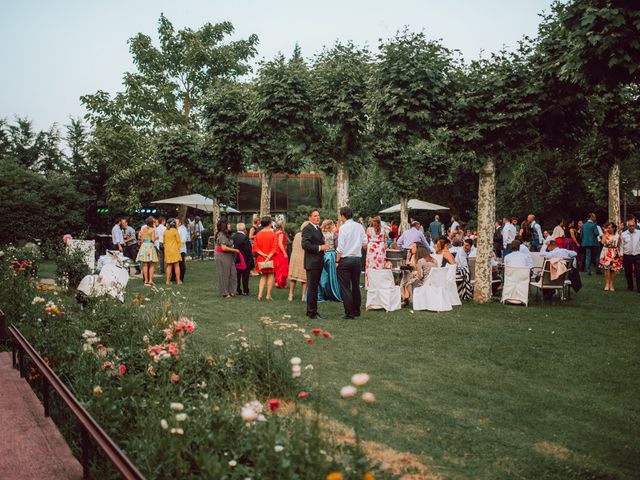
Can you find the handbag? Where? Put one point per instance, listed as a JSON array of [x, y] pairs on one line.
[[241, 265], [265, 265]]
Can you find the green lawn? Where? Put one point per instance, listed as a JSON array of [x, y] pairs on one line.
[[489, 392]]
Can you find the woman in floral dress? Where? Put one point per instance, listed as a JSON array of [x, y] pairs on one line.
[[610, 258], [377, 246]]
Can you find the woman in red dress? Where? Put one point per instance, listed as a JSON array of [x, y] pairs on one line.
[[377, 245], [281, 259], [264, 246]]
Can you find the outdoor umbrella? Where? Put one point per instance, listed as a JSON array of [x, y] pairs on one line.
[[414, 204], [196, 200]]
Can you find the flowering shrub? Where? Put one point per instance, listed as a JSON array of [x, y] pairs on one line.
[[244, 411]]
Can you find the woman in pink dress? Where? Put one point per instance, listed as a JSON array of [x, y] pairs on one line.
[[610, 258], [281, 259], [377, 245]]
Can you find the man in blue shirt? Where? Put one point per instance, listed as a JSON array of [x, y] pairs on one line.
[[411, 236], [436, 229], [590, 242]]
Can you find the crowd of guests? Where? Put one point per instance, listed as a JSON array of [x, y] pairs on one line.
[[325, 259]]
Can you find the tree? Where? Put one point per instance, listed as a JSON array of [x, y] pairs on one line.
[[280, 122], [597, 48], [339, 84], [411, 93], [171, 80], [496, 102]]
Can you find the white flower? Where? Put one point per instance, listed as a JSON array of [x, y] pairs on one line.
[[92, 340], [278, 342], [97, 391], [348, 391], [368, 397], [145, 339], [164, 424], [244, 345], [308, 367], [86, 333], [296, 369], [37, 300], [177, 431], [296, 361], [86, 347], [232, 463], [278, 448], [176, 407], [248, 414], [262, 418], [295, 374], [360, 379], [181, 417], [205, 395]]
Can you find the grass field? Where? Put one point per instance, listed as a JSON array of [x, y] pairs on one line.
[[483, 392]]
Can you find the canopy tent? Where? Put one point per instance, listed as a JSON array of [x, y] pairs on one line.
[[198, 201], [414, 204]]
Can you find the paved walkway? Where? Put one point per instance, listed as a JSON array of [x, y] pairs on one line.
[[31, 447]]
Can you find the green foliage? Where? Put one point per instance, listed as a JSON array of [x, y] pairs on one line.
[[600, 42], [171, 80], [280, 120], [71, 267], [339, 85], [35, 206], [411, 89]]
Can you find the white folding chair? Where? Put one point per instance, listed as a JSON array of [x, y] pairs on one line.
[[538, 260], [432, 295], [452, 287], [382, 292], [515, 289]]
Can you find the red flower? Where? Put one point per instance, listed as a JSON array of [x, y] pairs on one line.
[[309, 341], [326, 334], [273, 404], [316, 331], [122, 369], [303, 394]]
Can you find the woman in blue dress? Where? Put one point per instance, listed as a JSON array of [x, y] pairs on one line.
[[329, 289]]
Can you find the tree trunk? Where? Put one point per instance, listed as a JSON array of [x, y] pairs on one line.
[[215, 214], [342, 187], [182, 209], [486, 222], [404, 215], [265, 194], [186, 108], [614, 194]]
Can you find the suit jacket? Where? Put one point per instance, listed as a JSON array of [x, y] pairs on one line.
[[312, 238], [590, 234], [242, 243]]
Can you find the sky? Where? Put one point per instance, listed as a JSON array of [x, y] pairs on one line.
[[52, 52]]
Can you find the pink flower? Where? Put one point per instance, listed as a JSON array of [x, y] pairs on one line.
[[326, 334], [122, 369], [310, 341], [175, 378], [106, 365], [303, 394]]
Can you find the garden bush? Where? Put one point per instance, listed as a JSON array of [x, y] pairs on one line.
[[248, 410], [71, 267]]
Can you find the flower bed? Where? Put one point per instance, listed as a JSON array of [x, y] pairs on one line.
[[178, 411]]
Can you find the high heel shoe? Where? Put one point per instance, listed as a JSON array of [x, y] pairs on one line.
[[291, 298]]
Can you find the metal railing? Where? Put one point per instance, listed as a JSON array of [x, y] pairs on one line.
[[89, 429]]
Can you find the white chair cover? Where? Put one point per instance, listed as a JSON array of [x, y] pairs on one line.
[[437, 257], [382, 292], [432, 295], [452, 287], [516, 285], [538, 260], [112, 280]]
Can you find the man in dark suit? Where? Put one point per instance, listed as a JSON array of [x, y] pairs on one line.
[[242, 243], [314, 247]]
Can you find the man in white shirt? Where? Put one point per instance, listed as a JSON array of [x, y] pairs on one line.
[[160, 229], [508, 235], [351, 240], [631, 253], [536, 232], [454, 225], [117, 238], [553, 251], [469, 248], [519, 257]]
